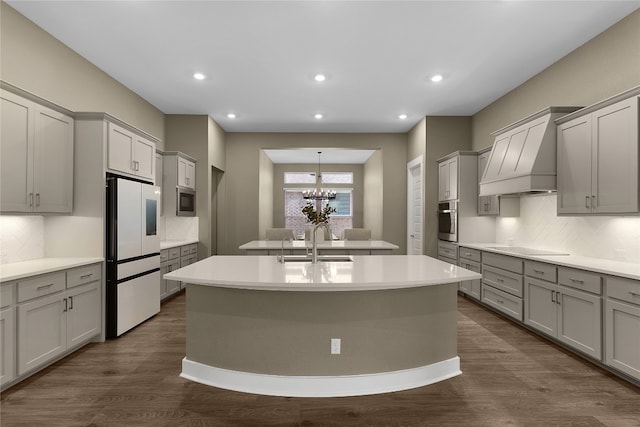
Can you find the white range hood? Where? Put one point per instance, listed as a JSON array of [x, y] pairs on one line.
[[523, 157]]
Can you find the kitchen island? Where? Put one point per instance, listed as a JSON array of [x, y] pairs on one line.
[[335, 247], [258, 325]]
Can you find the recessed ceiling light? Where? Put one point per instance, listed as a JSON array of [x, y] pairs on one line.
[[436, 78], [402, 116], [318, 116], [231, 116], [198, 76], [320, 77]]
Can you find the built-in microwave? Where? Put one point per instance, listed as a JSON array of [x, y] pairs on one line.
[[448, 221], [185, 202]]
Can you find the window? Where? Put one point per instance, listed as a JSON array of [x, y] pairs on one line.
[[337, 178], [299, 178], [338, 221]]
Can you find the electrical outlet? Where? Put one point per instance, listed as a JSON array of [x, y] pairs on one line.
[[335, 345]]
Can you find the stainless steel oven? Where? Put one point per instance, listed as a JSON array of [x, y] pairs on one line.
[[185, 202], [448, 221]]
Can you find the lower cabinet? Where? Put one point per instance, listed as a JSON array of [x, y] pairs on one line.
[[50, 315], [622, 320], [470, 287], [172, 259], [571, 316]]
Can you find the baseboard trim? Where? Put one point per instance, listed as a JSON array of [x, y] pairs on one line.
[[320, 386]]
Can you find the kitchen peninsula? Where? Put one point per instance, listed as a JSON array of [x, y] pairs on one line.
[[374, 324]]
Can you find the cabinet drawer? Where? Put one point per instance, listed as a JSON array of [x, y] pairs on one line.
[[41, 285], [503, 261], [541, 271], [193, 248], [164, 255], [502, 301], [174, 253], [623, 289], [185, 250], [7, 291], [470, 265], [82, 275], [472, 254], [503, 280], [448, 250], [184, 261], [579, 279]]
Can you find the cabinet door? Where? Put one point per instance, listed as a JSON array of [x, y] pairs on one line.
[[443, 181], [42, 332], [580, 321], [623, 337], [540, 306], [83, 314], [16, 153], [453, 178], [191, 175], [173, 285], [186, 173], [574, 166], [158, 181], [144, 157], [120, 149], [615, 158], [8, 345], [53, 161], [164, 269]]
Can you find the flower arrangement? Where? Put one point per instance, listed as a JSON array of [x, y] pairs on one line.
[[317, 217]]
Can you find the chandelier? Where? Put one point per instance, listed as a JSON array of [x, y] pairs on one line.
[[318, 193]]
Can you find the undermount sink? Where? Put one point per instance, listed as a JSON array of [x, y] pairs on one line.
[[321, 258]]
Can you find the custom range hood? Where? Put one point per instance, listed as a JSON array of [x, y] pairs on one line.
[[523, 157]]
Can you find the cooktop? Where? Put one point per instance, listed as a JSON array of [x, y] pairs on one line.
[[525, 251]]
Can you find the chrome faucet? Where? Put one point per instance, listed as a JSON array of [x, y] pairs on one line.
[[314, 243]]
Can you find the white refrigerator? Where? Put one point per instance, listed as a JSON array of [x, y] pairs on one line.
[[133, 253]]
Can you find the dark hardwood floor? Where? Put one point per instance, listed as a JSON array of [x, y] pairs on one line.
[[510, 377]]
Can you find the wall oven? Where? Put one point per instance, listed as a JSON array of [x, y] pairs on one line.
[[185, 202], [448, 221]]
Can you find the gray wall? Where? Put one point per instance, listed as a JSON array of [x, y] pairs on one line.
[[38, 63], [266, 203], [241, 180], [372, 216], [604, 66]]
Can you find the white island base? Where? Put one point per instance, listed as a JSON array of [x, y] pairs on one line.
[[273, 336]]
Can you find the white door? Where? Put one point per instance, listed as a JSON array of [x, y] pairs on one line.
[[120, 149], [415, 215], [150, 219], [144, 157], [129, 219]]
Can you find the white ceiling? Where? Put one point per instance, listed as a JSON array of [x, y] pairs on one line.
[[260, 57], [327, 156]]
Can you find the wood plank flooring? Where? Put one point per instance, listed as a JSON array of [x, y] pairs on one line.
[[510, 377]]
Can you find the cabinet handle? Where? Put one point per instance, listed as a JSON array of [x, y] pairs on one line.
[[70, 303], [576, 280], [552, 294], [500, 301], [86, 276], [65, 306], [593, 201], [634, 294], [30, 199], [44, 286], [558, 298], [37, 199], [538, 272], [500, 280], [586, 202]]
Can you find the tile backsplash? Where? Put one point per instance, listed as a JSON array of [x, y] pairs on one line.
[[608, 237], [178, 228], [21, 238]]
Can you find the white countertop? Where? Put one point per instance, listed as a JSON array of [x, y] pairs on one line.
[[19, 270], [327, 244], [599, 265], [166, 244], [366, 272]]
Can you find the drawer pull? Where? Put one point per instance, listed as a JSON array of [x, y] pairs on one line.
[[538, 272], [576, 280], [634, 294], [44, 286], [86, 276], [500, 301], [552, 294], [70, 303], [500, 280], [66, 306]]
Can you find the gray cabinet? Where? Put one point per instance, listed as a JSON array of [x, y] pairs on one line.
[[36, 154], [7, 333], [501, 286], [470, 259], [169, 261], [572, 316], [130, 153], [448, 252], [448, 179], [598, 160], [622, 330], [487, 205], [56, 313]]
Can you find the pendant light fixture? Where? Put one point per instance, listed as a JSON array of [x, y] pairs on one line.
[[318, 193]]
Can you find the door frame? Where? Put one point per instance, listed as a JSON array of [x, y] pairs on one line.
[[417, 162]]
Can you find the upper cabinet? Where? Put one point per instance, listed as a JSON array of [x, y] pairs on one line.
[[36, 151], [448, 179], [180, 170], [487, 205], [598, 158], [131, 153]]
